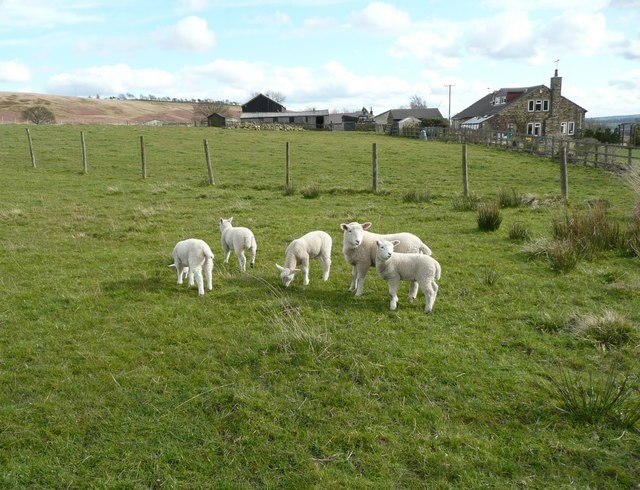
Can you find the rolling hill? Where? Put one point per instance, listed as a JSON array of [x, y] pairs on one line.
[[80, 110]]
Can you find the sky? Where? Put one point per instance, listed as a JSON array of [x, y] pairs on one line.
[[325, 54]]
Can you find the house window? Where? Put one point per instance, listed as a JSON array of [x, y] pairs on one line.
[[538, 105], [563, 127], [571, 127], [531, 105], [534, 129], [545, 105]]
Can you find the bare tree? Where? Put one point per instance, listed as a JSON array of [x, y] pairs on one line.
[[203, 110], [278, 97], [39, 115], [417, 102]]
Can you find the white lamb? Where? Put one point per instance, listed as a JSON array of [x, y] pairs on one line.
[[359, 249], [238, 239], [189, 258], [419, 269], [313, 245]]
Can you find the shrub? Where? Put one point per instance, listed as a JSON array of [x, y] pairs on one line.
[[289, 191], [489, 218], [465, 203], [39, 115], [417, 196], [518, 231], [508, 199]]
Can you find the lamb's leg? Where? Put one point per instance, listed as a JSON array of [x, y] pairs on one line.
[[198, 276], [362, 270], [252, 253], [430, 296], [393, 293], [208, 270], [413, 290], [326, 267], [304, 266], [242, 260], [180, 271], [227, 254], [354, 275]]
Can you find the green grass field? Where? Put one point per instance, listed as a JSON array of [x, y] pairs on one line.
[[111, 375]]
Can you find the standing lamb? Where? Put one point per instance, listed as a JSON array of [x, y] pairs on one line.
[[315, 244], [419, 269], [359, 249], [189, 258], [238, 239]]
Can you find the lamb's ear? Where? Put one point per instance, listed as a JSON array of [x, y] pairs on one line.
[[280, 268], [221, 220], [395, 242], [230, 219], [344, 226], [378, 243], [366, 226]]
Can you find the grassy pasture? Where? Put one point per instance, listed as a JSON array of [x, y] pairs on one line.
[[111, 375]]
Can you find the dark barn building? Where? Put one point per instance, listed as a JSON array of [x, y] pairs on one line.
[[262, 103]]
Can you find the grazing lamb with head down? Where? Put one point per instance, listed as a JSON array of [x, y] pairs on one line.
[[189, 258], [315, 244], [359, 249], [238, 239], [418, 269]]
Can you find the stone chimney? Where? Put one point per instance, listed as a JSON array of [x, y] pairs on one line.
[[556, 92]]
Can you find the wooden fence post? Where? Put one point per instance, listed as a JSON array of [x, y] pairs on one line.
[[374, 157], [287, 169], [208, 160], [142, 158], [84, 153], [465, 171], [33, 156], [564, 180], [595, 156]]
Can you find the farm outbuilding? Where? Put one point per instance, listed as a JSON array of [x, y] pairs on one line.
[[262, 103], [307, 119]]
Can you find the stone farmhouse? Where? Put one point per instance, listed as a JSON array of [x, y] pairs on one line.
[[393, 120], [536, 111]]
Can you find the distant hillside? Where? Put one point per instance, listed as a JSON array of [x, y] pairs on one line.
[[612, 121], [80, 110]]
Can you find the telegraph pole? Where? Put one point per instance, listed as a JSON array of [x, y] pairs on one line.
[[449, 85]]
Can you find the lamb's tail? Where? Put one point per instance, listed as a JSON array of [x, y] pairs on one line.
[[438, 270], [424, 249], [172, 265]]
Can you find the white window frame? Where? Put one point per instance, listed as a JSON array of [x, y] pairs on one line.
[[563, 128], [538, 105], [571, 127], [534, 129], [531, 105], [545, 105]]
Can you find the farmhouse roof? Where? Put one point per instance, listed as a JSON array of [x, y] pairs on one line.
[[399, 114], [486, 107]]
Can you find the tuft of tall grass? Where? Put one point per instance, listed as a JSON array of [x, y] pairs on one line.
[[289, 191], [610, 329], [518, 231], [509, 199], [417, 196], [562, 255], [461, 202], [488, 216], [588, 231], [612, 397], [632, 234], [311, 191]]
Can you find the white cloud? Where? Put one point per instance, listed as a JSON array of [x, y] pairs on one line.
[[193, 5], [431, 48], [580, 32], [14, 72], [506, 35], [240, 74], [191, 34], [566, 5], [382, 18], [112, 79], [43, 13], [277, 19]]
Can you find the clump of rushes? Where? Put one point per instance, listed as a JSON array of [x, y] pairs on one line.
[[311, 191], [489, 217], [518, 231], [509, 199], [417, 196], [465, 203]]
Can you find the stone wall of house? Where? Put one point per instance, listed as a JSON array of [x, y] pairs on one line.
[[516, 116]]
